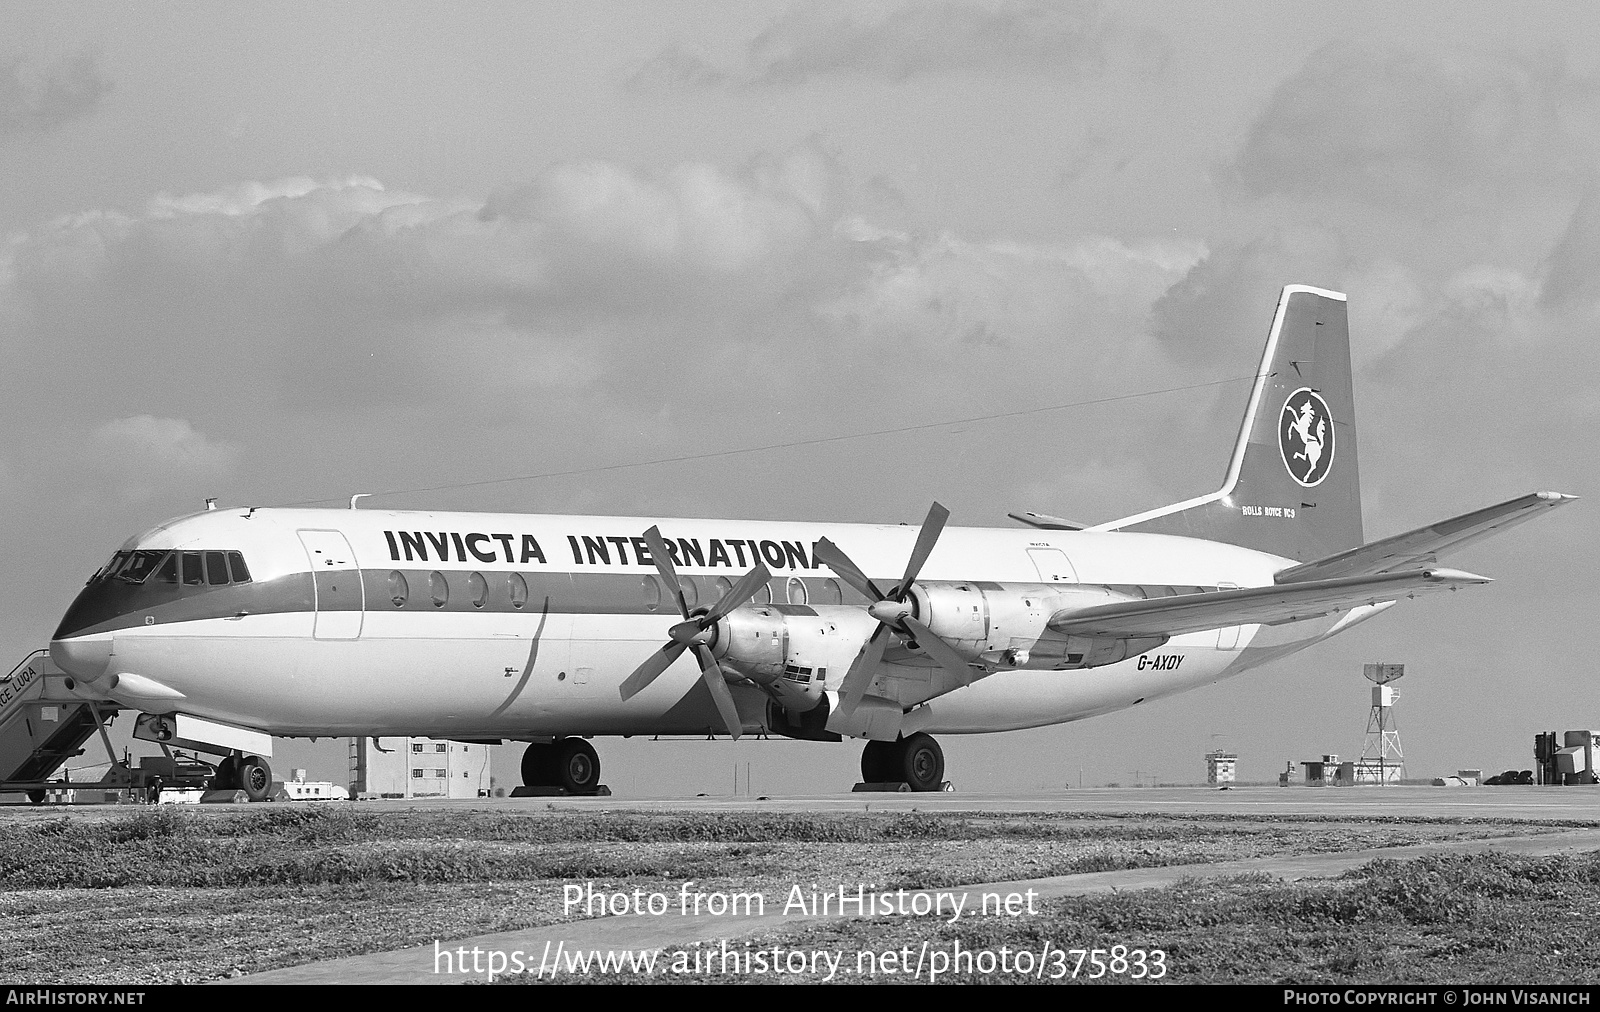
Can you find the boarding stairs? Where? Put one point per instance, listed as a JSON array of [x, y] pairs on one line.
[[42, 725]]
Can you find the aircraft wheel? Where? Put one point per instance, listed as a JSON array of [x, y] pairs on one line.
[[577, 766], [878, 762], [255, 778], [539, 764], [921, 762], [36, 797]]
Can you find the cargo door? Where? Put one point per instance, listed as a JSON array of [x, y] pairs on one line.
[[339, 597], [1053, 565]]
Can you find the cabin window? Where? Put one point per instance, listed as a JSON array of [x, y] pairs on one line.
[[478, 590], [517, 590], [438, 589], [691, 590], [795, 590], [829, 592], [763, 595], [237, 569], [722, 585], [399, 589], [192, 574], [650, 587]]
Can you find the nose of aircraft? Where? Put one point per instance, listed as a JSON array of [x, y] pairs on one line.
[[83, 657]]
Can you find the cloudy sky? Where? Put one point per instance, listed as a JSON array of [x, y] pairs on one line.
[[285, 253]]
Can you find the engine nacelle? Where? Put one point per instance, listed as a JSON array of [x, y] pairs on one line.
[[793, 652], [807, 725], [1007, 624]]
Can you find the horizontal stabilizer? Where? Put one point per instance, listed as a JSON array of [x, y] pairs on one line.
[[1172, 616], [1419, 548], [1045, 521]]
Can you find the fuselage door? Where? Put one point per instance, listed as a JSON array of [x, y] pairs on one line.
[[337, 582], [1053, 565]]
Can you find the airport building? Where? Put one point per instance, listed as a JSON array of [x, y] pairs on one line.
[[418, 768], [1221, 767]]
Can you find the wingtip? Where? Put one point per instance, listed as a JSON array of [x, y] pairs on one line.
[[1457, 576], [1556, 496]]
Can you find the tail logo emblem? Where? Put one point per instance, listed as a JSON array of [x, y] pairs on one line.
[[1305, 437]]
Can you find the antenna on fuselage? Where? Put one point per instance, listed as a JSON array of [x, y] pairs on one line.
[[211, 503], [358, 495]]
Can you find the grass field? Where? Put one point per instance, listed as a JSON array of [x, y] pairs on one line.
[[166, 895], [1435, 920]]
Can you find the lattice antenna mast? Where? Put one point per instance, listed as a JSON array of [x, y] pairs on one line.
[[1381, 751]]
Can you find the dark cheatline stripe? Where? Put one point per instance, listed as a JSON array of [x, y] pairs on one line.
[[114, 604]]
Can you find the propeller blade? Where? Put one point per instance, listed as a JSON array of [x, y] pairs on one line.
[[742, 591], [926, 538], [711, 674], [860, 674], [664, 566], [830, 555], [652, 667], [939, 650]]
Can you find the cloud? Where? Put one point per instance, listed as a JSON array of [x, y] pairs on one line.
[[672, 69], [693, 307], [950, 292], [1071, 40], [1396, 127], [141, 458], [1230, 291], [1445, 192], [37, 98]]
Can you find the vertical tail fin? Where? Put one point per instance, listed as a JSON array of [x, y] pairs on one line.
[[1293, 488]]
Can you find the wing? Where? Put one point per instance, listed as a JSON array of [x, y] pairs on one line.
[[1171, 616], [1420, 548]]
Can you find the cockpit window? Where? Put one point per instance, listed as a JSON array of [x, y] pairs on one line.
[[109, 570], [136, 567], [168, 573], [192, 575], [194, 569], [216, 568]]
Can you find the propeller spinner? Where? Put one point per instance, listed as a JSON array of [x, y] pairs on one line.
[[696, 632], [893, 612]]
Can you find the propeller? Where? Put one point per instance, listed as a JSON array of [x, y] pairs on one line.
[[695, 632], [893, 612]]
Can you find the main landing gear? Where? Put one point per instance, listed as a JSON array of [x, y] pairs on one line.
[[567, 765], [248, 773], [917, 762]]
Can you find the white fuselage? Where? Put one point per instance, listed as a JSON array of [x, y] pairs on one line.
[[346, 627]]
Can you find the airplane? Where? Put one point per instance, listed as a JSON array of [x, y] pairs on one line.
[[230, 626]]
